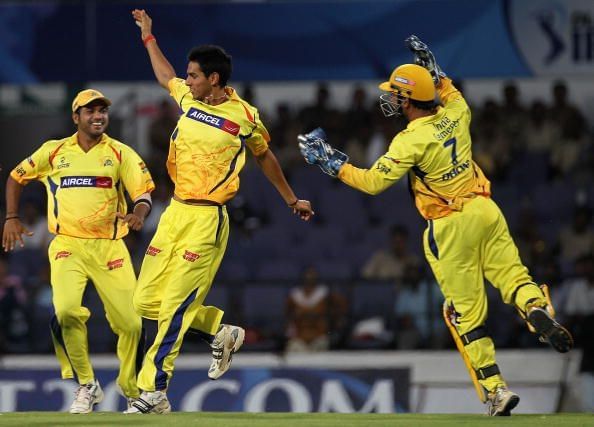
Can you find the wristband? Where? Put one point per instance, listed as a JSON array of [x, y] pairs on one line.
[[11, 217], [293, 204], [146, 202], [148, 39]]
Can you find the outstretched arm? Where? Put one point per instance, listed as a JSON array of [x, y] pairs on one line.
[[163, 70], [13, 228], [269, 165]]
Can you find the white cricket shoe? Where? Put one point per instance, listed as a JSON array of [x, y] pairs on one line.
[[149, 402], [501, 401], [85, 397], [227, 341]]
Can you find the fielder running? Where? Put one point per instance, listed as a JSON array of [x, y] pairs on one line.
[[467, 239], [85, 176], [207, 152]]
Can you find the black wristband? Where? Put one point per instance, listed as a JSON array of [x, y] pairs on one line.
[[11, 217]]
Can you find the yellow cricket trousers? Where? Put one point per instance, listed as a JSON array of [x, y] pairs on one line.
[[107, 264], [177, 272], [463, 249]]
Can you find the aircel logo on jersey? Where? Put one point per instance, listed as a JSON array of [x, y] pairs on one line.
[[86, 181], [214, 121]]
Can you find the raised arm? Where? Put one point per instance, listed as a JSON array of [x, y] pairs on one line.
[[163, 70]]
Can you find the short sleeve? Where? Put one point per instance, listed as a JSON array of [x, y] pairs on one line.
[[35, 167], [259, 138], [178, 90], [134, 174]]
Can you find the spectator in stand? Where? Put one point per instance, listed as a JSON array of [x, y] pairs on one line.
[[13, 300], [285, 129], [577, 239], [541, 133], [579, 311], [417, 301], [321, 113], [514, 116], [562, 111], [315, 314], [572, 144], [356, 126], [390, 263], [160, 131], [491, 149]]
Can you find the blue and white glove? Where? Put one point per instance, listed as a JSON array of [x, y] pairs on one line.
[[424, 57], [316, 151]]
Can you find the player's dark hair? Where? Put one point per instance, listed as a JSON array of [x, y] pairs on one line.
[[423, 105], [212, 59]]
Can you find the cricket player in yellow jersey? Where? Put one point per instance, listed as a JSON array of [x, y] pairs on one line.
[[207, 152], [85, 176], [467, 239]]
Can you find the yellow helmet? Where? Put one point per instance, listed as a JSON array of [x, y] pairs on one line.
[[408, 81], [411, 81]]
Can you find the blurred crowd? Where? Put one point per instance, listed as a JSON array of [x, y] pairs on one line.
[[355, 277]]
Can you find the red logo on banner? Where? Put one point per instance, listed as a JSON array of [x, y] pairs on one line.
[[191, 256], [116, 263], [63, 254], [152, 251]]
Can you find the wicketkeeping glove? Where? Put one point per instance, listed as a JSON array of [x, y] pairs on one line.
[[424, 57], [316, 151]]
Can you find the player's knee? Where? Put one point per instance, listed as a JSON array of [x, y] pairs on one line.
[[70, 315], [140, 307], [132, 326]]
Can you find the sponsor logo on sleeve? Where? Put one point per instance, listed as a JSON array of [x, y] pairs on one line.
[[190, 256], [20, 171], [143, 167], [86, 181], [63, 254], [116, 263], [152, 251], [31, 162], [215, 121]]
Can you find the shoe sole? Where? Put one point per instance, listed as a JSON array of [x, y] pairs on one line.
[[556, 335], [229, 350]]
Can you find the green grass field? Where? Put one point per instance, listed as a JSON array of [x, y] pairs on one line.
[[241, 419]]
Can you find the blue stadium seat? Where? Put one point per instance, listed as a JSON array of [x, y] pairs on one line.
[[278, 269], [263, 314]]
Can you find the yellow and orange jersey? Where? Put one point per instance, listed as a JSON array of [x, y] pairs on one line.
[[435, 151], [86, 190], [207, 149]]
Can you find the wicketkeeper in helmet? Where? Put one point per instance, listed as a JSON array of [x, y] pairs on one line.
[[467, 239]]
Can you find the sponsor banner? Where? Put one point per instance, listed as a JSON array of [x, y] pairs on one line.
[[86, 181], [247, 389], [555, 37], [225, 125]]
